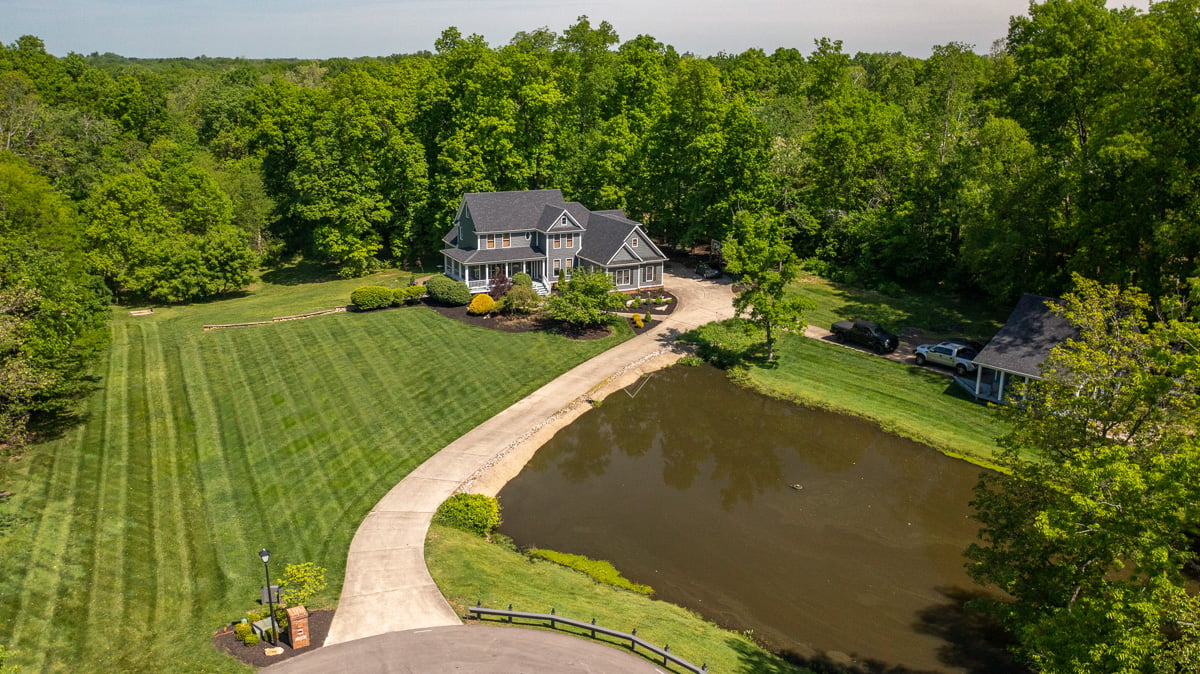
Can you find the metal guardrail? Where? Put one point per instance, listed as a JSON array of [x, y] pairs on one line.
[[554, 620]]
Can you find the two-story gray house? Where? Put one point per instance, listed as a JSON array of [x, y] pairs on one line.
[[539, 233]]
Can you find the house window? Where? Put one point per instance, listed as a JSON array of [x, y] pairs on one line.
[[634, 242], [567, 265], [621, 277], [557, 265], [491, 241], [477, 272], [647, 273], [506, 241], [557, 241], [570, 241], [563, 221]]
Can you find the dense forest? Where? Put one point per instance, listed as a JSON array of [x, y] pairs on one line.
[[1073, 146]]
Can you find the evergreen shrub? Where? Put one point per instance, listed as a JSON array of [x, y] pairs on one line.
[[647, 318], [481, 304], [475, 513], [241, 630], [522, 279], [251, 639], [367, 298], [447, 291]]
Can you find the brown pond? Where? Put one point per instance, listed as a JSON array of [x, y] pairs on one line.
[[833, 541]]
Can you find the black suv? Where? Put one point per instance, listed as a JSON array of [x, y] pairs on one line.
[[865, 333]]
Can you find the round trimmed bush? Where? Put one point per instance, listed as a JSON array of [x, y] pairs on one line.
[[367, 298], [481, 304], [522, 279], [475, 513], [447, 291]]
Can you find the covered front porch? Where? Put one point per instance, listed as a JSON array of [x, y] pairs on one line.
[[992, 384], [479, 277]]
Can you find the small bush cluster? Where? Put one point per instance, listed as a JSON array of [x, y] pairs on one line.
[[602, 571], [368, 298], [241, 630], [522, 279], [475, 513], [638, 322], [447, 291], [520, 299], [251, 639], [481, 304], [408, 294], [647, 318]]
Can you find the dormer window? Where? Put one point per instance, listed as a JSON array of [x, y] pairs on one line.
[[563, 221], [633, 242], [507, 242]]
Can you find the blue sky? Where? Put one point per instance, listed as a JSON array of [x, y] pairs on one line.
[[328, 28]]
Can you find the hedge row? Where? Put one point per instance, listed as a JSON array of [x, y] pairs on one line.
[[368, 298]]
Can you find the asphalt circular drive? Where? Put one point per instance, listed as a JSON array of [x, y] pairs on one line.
[[468, 648]]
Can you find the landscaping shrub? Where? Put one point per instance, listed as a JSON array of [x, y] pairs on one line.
[[408, 294], [481, 304], [241, 630], [647, 318], [367, 298], [637, 321], [727, 343], [300, 582], [602, 571], [500, 284], [251, 639], [447, 291], [522, 279], [475, 513], [519, 300]]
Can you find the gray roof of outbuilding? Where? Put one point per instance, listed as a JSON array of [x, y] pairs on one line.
[[510, 211], [1027, 337]]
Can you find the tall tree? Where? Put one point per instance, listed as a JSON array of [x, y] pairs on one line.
[[758, 252], [1089, 533]]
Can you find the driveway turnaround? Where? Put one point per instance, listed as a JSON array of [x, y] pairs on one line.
[[463, 648], [387, 586]]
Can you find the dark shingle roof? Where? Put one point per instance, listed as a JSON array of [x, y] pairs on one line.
[[606, 235], [1027, 338], [451, 238], [510, 211], [493, 255]]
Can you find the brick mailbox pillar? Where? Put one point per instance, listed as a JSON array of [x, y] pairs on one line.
[[297, 617]]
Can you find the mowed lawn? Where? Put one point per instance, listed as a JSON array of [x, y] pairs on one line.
[[909, 401], [134, 535]]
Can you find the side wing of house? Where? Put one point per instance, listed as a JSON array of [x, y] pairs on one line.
[[621, 248]]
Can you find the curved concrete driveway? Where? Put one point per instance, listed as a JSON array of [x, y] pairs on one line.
[[387, 586], [472, 648]]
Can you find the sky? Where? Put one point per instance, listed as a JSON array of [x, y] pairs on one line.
[[351, 28]]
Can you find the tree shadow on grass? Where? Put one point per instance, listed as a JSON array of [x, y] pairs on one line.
[[301, 273]]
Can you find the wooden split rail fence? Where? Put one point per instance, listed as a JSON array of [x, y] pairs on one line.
[[555, 620]]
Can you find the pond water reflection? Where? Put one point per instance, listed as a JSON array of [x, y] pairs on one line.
[[828, 538]]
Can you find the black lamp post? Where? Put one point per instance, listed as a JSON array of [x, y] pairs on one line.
[[265, 555]]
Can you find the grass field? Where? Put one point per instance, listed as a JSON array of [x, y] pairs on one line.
[[937, 314], [134, 535], [468, 569], [909, 401]]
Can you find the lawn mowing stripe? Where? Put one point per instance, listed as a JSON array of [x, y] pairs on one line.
[[43, 587], [245, 504], [173, 568], [215, 496], [302, 456], [141, 446], [106, 601], [258, 368]]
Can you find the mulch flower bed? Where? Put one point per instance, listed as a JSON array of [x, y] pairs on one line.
[[318, 627], [648, 304]]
